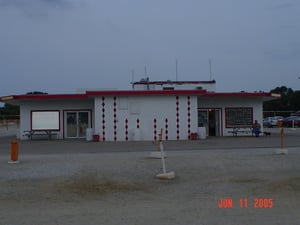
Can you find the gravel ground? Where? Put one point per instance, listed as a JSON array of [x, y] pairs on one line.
[[120, 188]]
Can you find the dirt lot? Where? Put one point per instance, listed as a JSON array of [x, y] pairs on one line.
[[119, 187]]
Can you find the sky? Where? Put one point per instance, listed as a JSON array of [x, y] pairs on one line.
[[59, 46]]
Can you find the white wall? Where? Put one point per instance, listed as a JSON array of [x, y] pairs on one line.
[[145, 108], [28, 106], [225, 102]]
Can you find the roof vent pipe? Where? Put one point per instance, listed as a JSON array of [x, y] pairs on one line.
[[147, 81]]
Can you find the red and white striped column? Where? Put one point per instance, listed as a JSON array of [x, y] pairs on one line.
[[166, 129], [115, 118], [154, 129], [177, 118], [126, 129], [189, 116], [103, 118]]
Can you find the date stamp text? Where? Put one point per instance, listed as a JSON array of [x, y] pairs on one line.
[[257, 203]]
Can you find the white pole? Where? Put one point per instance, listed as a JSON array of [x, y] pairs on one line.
[[163, 157], [164, 175]]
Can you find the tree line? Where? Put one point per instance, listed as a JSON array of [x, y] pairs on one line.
[[289, 101], [9, 110], [14, 110]]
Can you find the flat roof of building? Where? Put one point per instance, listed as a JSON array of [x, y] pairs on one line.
[[145, 82], [16, 99]]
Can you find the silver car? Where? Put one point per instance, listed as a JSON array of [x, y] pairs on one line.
[[271, 121]]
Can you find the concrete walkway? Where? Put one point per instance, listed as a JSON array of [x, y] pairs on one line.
[[291, 140]]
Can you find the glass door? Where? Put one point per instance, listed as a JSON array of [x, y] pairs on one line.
[[218, 122], [211, 120], [71, 124], [83, 123], [203, 119], [76, 123]]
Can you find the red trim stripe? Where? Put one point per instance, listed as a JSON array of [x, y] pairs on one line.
[[151, 92], [173, 82], [237, 94], [88, 94]]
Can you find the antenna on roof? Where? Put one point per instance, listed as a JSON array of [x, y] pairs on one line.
[[145, 68], [210, 73], [176, 67], [147, 79], [132, 75]]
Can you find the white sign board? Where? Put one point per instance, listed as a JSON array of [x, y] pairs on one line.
[[45, 120]]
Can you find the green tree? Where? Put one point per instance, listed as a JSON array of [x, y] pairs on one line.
[[289, 101], [9, 109], [295, 101]]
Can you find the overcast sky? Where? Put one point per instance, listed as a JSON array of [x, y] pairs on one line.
[[58, 46]]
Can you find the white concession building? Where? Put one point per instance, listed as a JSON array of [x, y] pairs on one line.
[[179, 108]]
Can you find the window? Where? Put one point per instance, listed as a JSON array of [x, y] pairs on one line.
[[45, 120], [238, 117], [134, 108], [123, 103]]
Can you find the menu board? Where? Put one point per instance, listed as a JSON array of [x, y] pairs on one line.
[[45, 120], [239, 117]]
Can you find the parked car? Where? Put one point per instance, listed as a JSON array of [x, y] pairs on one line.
[[271, 121], [295, 113], [291, 121], [266, 121]]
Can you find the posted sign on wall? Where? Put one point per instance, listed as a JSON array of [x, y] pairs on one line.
[[45, 120]]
